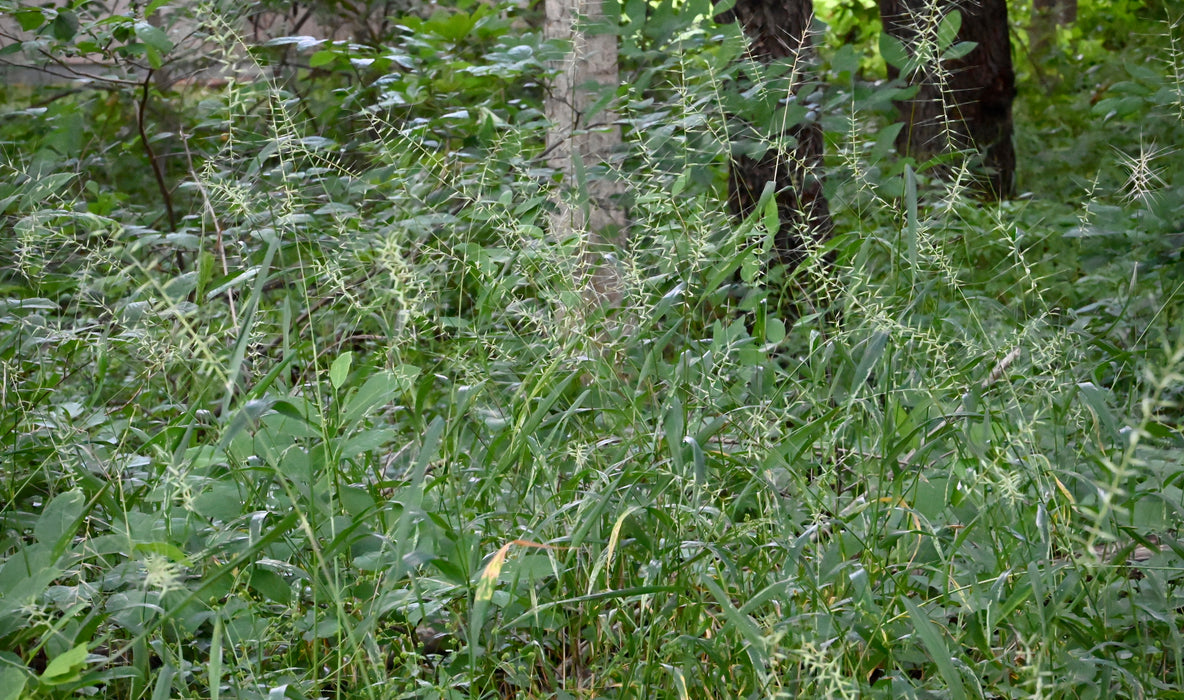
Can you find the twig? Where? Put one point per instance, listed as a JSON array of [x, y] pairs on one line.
[[156, 169], [219, 245]]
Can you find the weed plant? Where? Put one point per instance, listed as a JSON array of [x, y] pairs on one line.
[[350, 429]]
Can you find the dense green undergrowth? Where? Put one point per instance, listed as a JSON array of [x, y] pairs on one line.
[[343, 424]]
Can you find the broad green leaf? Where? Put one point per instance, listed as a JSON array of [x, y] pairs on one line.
[[223, 501], [155, 59], [366, 441], [947, 31], [339, 370], [12, 683], [885, 140], [322, 58], [28, 572], [65, 667], [770, 216], [893, 51], [958, 50], [378, 390], [247, 418], [356, 501], [774, 330], [290, 409], [415, 491], [531, 568], [1097, 400], [154, 37], [680, 184], [165, 549], [30, 19], [65, 25], [30, 303], [60, 519], [296, 465]]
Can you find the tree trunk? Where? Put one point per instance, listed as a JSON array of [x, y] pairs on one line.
[[962, 103], [581, 143], [1047, 15], [779, 31]]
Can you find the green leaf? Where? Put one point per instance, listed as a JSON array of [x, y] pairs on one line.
[[223, 501], [340, 369], [414, 495], [290, 409], [12, 683], [247, 418], [378, 390], [65, 667], [770, 216], [893, 51], [680, 184], [947, 31], [673, 426], [1098, 403], [270, 585], [60, 519], [214, 669], [155, 59], [154, 37], [774, 330], [367, 440], [65, 25], [873, 350], [934, 643], [757, 647], [164, 549], [27, 572], [322, 58], [885, 140], [962, 48], [30, 19]]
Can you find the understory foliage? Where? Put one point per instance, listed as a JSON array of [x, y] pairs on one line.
[[301, 400]]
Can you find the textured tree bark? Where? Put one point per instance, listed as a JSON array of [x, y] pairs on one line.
[[578, 136], [962, 103], [779, 30]]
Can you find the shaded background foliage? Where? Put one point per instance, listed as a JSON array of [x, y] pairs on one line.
[[344, 427]]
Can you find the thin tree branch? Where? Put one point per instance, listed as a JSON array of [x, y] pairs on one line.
[[154, 161]]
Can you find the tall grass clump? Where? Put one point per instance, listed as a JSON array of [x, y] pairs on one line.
[[349, 427]]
